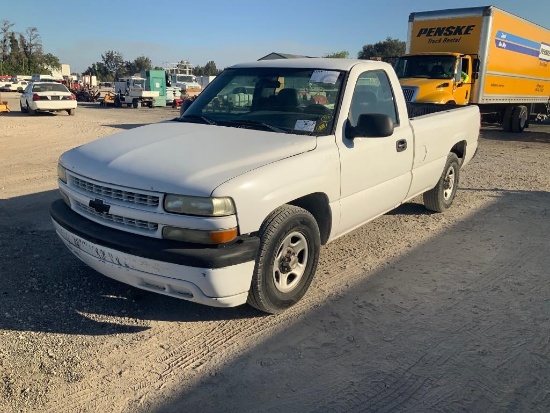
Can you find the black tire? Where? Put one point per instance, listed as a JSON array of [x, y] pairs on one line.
[[440, 197], [134, 103], [71, 112], [287, 259], [507, 118], [519, 118]]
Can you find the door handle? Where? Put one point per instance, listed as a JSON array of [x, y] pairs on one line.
[[401, 145]]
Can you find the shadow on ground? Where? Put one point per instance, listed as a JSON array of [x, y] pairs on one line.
[[461, 323], [537, 132]]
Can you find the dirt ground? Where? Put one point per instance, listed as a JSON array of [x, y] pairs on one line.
[[413, 312]]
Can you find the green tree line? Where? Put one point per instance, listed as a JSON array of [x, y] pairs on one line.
[[22, 53]]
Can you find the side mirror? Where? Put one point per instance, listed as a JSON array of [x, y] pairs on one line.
[[375, 125]]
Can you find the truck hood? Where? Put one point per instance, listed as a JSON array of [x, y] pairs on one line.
[[184, 158], [425, 82]]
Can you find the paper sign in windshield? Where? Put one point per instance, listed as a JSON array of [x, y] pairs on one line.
[[305, 125], [324, 76]]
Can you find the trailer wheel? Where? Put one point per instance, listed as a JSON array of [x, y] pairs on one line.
[[287, 259], [441, 196], [519, 118], [507, 118]]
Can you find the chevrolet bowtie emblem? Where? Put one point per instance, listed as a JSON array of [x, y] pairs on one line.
[[99, 206]]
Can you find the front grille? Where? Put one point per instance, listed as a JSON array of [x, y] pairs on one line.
[[117, 219], [409, 93], [116, 194]]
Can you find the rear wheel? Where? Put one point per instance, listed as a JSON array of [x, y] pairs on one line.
[[30, 111], [507, 118], [134, 103], [71, 112], [519, 118], [287, 259], [440, 197]]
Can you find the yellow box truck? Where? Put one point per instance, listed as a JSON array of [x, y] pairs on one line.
[[478, 55]]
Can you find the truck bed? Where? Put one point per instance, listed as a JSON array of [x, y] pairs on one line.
[[419, 109]]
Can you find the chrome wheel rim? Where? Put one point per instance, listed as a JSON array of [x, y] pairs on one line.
[[290, 262], [449, 184]]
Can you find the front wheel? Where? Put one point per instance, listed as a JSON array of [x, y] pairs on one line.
[[440, 197], [287, 259]]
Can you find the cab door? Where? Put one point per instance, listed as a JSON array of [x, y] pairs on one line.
[[375, 171], [463, 81]]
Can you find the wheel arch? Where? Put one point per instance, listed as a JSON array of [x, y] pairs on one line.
[[459, 149], [317, 205]]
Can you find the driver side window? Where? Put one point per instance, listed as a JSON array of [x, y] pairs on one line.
[[372, 94]]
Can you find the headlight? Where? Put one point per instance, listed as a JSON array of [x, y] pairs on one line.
[[62, 173], [195, 205]]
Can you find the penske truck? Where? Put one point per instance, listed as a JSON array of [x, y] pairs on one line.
[[478, 55]]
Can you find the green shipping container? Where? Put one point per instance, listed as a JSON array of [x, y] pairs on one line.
[[156, 81]]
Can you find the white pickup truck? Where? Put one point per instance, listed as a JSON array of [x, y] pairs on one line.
[[230, 203]]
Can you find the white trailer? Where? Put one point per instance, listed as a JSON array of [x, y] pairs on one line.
[[131, 92]]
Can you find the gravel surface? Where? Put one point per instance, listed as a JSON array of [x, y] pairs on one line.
[[415, 311]]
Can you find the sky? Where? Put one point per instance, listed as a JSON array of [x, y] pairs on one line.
[[225, 31]]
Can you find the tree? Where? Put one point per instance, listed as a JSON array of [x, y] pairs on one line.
[[5, 31], [138, 65], [344, 54], [387, 50], [208, 69], [114, 64], [22, 53]]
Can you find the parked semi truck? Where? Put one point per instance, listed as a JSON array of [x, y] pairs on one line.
[[479, 55], [229, 204]]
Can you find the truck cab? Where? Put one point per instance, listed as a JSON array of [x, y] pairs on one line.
[[442, 78]]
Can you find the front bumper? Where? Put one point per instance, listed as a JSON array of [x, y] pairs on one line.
[[215, 276]]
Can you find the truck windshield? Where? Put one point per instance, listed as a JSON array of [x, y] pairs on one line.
[[183, 78], [426, 66], [301, 101]]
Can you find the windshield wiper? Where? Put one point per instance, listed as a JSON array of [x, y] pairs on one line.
[[254, 123], [194, 118]]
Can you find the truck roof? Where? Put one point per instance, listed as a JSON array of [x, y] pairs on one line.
[[463, 12], [313, 63]]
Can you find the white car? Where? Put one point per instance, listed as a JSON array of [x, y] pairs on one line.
[[14, 86], [47, 97]]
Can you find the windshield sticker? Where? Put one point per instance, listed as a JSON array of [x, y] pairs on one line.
[[321, 127], [324, 76], [305, 125]]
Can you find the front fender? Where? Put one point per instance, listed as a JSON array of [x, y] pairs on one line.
[[439, 96], [258, 192]]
